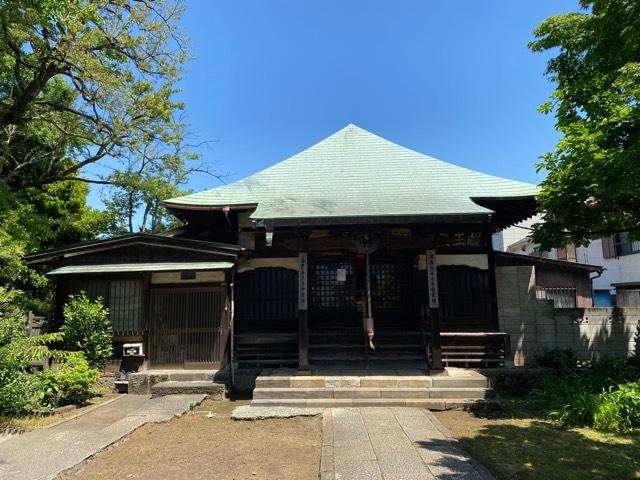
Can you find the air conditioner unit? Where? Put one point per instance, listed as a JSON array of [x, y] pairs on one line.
[[133, 350]]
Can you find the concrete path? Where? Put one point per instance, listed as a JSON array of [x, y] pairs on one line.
[[393, 443], [44, 453]]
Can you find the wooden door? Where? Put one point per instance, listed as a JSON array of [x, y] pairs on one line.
[[393, 302], [187, 327], [333, 297]]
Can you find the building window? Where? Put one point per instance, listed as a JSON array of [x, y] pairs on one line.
[[562, 297], [624, 246], [123, 298], [333, 289]]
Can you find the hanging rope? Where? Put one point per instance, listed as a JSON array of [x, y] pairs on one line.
[[369, 319]]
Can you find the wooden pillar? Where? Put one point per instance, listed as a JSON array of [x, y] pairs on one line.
[[434, 310], [493, 300], [146, 320], [303, 318]]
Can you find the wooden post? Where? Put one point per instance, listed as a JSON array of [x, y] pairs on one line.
[[493, 301], [434, 310], [303, 319], [232, 306]]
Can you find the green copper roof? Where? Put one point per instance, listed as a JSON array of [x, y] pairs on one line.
[[354, 173], [140, 267]]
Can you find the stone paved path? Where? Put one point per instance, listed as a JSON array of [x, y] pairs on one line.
[[393, 443], [44, 453]]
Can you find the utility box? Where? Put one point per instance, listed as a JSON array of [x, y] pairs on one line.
[[133, 350]]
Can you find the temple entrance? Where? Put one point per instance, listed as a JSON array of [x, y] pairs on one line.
[[187, 327], [337, 310]]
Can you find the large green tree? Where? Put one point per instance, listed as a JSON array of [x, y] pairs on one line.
[[96, 78], [593, 181]]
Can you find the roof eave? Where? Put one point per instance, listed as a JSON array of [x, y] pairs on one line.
[[374, 219]]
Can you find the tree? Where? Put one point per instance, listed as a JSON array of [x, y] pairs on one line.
[[35, 219], [87, 83], [594, 173], [133, 200]]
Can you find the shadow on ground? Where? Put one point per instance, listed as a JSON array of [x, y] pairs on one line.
[[532, 449]]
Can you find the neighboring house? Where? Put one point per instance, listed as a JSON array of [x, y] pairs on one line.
[[354, 239], [619, 283]]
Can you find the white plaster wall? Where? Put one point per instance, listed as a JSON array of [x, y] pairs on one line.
[[282, 262], [174, 277], [478, 261], [618, 270]]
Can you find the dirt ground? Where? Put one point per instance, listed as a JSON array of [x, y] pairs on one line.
[[207, 444]]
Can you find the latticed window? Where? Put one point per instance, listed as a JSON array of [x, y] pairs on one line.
[[125, 306], [123, 298], [562, 297], [333, 285], [390, 285]]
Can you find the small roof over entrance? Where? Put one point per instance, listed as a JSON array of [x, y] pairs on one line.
[[140, 267], [354, 176]]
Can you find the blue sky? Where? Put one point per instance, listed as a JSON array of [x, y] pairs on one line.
[[452, 79]]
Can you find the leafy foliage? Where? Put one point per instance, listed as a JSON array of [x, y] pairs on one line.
[[87, 328], [602, 394], [36, 219], [12, 317], [71, 381], [594, 174], [20, 392], [90, 80], [17, 355]]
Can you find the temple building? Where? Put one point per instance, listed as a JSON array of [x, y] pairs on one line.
[[354, 251]]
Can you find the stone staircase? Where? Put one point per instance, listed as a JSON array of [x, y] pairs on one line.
[[175, 382], [453, 388]]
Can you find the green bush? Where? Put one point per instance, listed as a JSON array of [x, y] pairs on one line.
[[69, 382], [602, 394], [12, 317], [20, 392], [562, 360], [87, 329]]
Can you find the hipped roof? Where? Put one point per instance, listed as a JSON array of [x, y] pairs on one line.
[[354, 176]]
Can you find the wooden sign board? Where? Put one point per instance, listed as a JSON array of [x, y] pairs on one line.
[[432, 279], [303, 267]]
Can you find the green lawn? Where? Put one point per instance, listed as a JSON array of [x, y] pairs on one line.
[[516, 446]]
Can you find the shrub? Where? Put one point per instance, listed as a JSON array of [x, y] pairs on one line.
[[602, 394], [87, 328], [20, 392], [69, 382], [12, 317], [561, 360]]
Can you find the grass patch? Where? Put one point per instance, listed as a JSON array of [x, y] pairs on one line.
[[30, 422], [517, 443]]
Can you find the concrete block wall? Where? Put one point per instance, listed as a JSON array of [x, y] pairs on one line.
[[535, 326]]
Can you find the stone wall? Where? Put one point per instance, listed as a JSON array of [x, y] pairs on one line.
[[536, 327]]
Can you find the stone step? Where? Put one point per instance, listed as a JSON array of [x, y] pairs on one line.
[[293, 381], [460, 382], [429, 403], [370, 393], [172, 387]]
